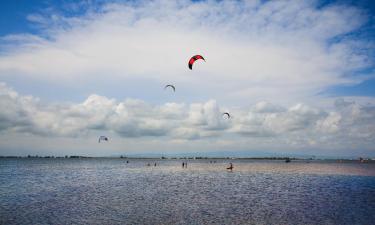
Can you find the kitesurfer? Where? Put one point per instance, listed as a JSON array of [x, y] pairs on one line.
[[230, 167]]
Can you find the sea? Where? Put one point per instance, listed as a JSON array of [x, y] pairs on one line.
[[154, 191]]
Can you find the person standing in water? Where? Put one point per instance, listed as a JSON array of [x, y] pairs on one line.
[[230, 167]]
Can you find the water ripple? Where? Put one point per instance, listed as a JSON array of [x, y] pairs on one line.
[[110, 191]]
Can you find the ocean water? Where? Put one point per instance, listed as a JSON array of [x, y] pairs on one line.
[[111, 191]]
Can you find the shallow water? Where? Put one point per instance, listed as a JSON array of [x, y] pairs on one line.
[[110, 191]]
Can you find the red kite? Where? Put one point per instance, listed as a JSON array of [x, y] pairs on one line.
[[193, 59]]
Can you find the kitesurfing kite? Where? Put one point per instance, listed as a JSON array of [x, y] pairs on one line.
[[102, 138], [193, 59], [226, 115], [171, 86]]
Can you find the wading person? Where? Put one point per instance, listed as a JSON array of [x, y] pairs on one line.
[[230, 167]]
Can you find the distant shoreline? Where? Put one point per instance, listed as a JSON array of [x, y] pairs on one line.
[[186, 158]]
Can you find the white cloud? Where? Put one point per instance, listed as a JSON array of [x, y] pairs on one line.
[[266, 107], [207, 115], [255, 51], [299, 126], [130, 118]]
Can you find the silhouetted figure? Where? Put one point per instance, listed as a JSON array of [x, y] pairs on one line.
[[230, 167], [154, 164], [183, 164], [127, 161]]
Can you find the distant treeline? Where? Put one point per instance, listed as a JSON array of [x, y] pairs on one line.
[[124, 157], [48, 157], [185, 158]]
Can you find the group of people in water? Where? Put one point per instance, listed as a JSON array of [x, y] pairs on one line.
[[184, 165]]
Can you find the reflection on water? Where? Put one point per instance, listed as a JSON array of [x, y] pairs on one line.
[[110, 191]]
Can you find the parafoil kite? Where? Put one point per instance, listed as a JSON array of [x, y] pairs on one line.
[[171, 86], [193, 59], [102, 138], [226, 115]]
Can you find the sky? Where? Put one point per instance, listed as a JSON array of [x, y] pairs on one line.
[[297, 77]]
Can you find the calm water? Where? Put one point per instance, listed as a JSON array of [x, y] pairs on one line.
[[110, 191]]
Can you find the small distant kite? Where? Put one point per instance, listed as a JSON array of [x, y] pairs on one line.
[[193, 59], [102, 138], [170, 86], [226, 115]]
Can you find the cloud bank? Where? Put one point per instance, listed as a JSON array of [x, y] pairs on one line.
[[349, 125]]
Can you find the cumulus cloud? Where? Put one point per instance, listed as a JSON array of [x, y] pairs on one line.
[[299, 125], [14, 110], [129, 118]]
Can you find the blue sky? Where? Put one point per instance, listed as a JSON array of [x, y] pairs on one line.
[[296, 75], [14, 20]]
